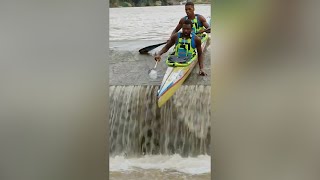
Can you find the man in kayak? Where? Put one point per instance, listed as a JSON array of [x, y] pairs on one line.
[[199, 23], [186, 42]]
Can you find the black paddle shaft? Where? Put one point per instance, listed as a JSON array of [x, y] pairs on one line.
[[149, 48]]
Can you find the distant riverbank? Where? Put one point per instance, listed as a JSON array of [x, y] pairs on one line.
[[142, 3]]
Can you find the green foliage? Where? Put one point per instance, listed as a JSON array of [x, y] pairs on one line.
[[139, 3]]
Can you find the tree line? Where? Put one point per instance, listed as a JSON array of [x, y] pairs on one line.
[[139, 3]]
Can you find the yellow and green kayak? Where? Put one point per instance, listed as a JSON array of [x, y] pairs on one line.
[[177, 73]]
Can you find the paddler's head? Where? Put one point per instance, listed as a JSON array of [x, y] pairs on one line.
[[187, 28], [189, 7]]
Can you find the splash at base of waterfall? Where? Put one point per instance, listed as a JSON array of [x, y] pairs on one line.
[[160, 167]]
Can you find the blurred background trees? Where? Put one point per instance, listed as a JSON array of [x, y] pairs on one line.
[[138, 3]]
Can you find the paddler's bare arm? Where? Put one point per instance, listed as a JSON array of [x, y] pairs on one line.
[[205, 24], [179, 26], [200, 56], [169, 44]]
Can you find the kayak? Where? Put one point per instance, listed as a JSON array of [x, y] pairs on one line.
[[177, 72]]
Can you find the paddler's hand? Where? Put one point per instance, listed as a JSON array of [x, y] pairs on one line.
[[200, 31], [157, 57], [202, 73], [204, 30]]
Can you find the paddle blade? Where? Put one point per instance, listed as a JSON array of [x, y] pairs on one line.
[[153, 74], [149, 48]]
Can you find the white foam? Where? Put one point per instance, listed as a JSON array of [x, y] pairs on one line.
[[153, 74], [190, 165]]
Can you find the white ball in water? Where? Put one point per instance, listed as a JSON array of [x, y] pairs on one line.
[[153, 74]]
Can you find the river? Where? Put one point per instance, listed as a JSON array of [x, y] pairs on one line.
[[146, 142]]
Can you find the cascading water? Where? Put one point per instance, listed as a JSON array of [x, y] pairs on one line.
[[138, 127]]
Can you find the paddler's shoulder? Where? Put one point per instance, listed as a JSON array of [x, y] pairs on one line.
[[197, 39], [182, 20], [174, 36], [201, 18]]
